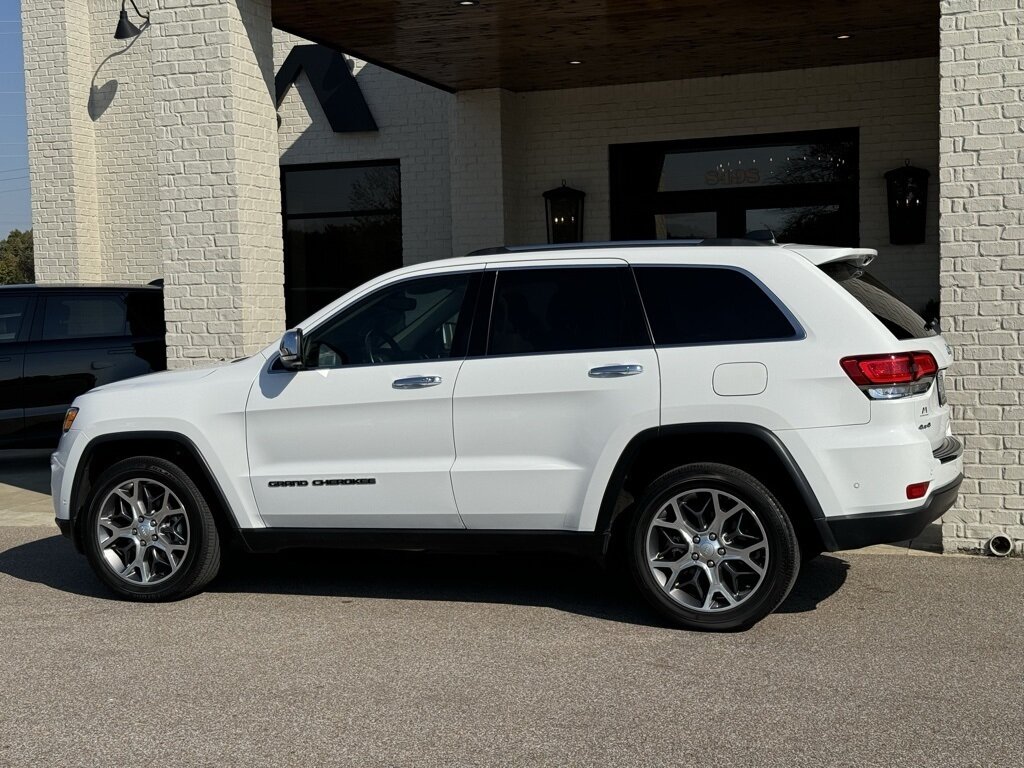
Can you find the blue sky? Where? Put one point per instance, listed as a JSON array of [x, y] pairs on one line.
[[14, 192]]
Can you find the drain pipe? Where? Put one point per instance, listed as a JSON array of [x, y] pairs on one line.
[[999, 545]]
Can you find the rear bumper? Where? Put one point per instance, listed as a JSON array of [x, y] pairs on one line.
[[855, 531]]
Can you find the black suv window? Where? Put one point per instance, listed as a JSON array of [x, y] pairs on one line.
[[419, 319], [12, 312], [709, 305], [82, 316], [146, 313], [901, 320], [566, 309]]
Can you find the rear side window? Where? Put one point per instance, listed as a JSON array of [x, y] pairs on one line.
[[12, 312], [903, 322], [565, 309], [709, 305], [84, 316], [146, 313]]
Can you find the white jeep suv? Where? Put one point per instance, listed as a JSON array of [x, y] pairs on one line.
[[714, 413]]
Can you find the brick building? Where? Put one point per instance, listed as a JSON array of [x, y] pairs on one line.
[[174, 154]]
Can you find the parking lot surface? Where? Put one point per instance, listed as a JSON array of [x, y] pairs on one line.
[[412, 659]]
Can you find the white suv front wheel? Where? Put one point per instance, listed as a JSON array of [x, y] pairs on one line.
[[711, 548], [148, 532]]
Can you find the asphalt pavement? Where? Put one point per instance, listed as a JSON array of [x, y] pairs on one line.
[[412, 659]]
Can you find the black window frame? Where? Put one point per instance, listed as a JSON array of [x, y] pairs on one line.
[[480, 341], [799, 334], [634, 204], [287, 217]]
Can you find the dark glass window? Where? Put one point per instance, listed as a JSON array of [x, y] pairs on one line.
[[82, 317], [901, 320], [801, 186], [419, 319], [566, 309], [146, 313], [709, 305], [343, 226], [12, 312]]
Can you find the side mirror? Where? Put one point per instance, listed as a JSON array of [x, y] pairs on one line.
[[291, 350]]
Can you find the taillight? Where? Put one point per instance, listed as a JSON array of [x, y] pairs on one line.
[[888, 377]]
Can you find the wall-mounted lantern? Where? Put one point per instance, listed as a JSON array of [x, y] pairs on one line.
[[564, 207], [907, 190]]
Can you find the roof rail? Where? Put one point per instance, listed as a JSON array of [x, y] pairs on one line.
[[711, 241]]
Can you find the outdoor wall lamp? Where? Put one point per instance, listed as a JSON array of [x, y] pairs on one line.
[[125, 29], [907, 190], [564, 207]]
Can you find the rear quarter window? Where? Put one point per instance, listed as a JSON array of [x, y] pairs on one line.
[[710, 305], [902, 321]]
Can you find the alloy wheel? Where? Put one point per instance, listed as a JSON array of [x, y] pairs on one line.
[[142, 531], [708, 550]]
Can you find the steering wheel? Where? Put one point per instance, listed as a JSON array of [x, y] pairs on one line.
[[386, 338]]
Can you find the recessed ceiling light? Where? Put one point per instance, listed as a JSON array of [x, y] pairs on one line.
[[467, 2], [574, 62], [843, 37]]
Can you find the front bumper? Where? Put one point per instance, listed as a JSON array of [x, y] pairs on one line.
[[855, 531]]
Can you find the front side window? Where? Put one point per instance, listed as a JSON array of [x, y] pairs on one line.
[[565, 309], [709, 305], [12, 311], [420, 319], [83, 317]]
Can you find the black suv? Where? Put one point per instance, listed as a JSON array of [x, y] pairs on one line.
[[57, 342]]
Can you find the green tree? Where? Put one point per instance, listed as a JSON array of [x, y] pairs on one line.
[[16, 261]]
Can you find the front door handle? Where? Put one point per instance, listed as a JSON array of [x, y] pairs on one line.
[[615, 371], [416, 382]]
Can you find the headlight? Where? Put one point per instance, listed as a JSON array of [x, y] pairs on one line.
[[69, 418]]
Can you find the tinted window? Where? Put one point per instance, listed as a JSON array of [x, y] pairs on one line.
[[413, 320], [146, 313], [565, 310], [12, 312], [342, 227], [709, 305], [901, 320], [79, 317]]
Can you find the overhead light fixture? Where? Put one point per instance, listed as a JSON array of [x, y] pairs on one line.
[[467, 3], [843, 37], [575, 62], [125, 29]]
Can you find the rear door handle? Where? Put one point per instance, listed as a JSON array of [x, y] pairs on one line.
[[615, 371], [416, 382]]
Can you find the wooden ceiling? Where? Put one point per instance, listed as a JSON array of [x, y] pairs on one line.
[[523, 46]]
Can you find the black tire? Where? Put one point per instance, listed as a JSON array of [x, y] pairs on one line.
[[202, 560], [783, 553]]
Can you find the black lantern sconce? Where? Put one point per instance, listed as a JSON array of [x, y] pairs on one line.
[[125, 29], [564, 207], [907, 190]]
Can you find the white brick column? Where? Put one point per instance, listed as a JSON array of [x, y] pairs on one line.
[[477, 171], [982, 259], [219, 181], [62, 156]]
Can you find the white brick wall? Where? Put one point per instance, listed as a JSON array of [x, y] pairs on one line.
[[218, 177], [982, 236], [62, 158], [121, 110]]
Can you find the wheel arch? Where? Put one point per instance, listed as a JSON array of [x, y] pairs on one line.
[[750, 447], [103, 451]]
